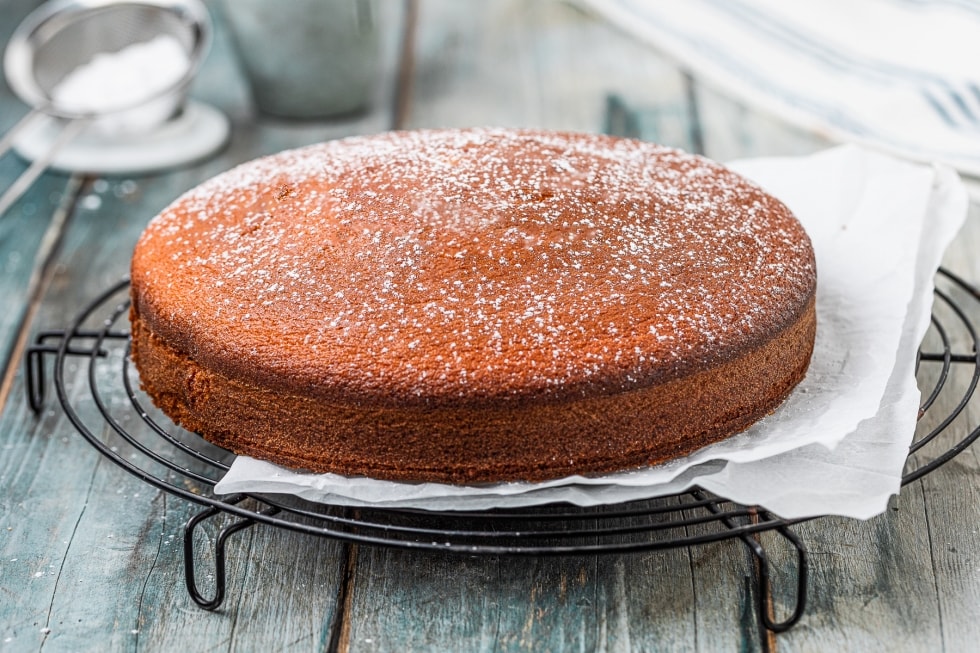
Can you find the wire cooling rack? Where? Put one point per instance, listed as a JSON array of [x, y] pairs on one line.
[[126, 429]]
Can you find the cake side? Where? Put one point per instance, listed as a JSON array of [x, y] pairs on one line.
[[489, 443]]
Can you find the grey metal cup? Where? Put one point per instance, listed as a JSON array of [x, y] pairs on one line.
[[307, 58]]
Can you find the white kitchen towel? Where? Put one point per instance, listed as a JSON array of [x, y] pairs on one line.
[[837, 446], [898, 75]]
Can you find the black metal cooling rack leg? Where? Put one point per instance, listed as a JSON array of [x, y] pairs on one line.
[[35, 381], [762, 579], [219, 555], [764, 586], [190, 577]]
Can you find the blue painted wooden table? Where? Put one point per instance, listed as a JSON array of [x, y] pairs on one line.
[[90, 557]]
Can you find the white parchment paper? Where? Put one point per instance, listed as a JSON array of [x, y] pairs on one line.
[[837, 446]]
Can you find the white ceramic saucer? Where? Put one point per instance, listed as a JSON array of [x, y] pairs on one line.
[[197, 132]]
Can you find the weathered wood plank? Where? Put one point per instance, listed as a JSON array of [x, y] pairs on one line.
[[950, 495], [28, 233], [871, 586], [434, 601], [517, 64], [90, 555], [23, 227]]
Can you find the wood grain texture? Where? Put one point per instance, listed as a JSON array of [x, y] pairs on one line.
[[90, 557], [519, 64], [435, 602], [29, 229], [29, 235], [950, 496]]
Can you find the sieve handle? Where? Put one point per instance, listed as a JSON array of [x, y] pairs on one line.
[[28, 177]]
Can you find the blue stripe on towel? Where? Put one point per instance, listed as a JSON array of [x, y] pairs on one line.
[[648, 19], [969, 6], [938, 107], [871, 69], [964, 105], [863, 67]]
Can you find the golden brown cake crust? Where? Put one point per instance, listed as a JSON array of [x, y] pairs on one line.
[[472, 305]]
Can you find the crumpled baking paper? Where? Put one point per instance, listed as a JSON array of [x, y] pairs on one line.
[[838, 444]]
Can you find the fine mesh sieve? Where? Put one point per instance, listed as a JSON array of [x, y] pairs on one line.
[[63, 34]]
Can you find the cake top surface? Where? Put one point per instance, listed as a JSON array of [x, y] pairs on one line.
[[465, 265]]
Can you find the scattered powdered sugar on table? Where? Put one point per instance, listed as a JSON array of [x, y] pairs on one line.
[[478, 262]]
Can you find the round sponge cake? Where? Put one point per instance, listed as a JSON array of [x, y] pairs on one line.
[[472, 305]]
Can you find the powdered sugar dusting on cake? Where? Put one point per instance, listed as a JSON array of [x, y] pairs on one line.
[[478, 263]]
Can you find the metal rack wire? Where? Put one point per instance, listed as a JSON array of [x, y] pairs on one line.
[[143, 442]]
